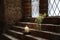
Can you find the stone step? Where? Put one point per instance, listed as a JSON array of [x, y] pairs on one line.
[[47, 20], [10, 37], [28, 35], [19, 35], [4, 38], [45, 27], [37, 33]]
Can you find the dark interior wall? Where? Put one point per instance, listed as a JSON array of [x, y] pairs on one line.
[[2, 22], [1, 10], [12, 11]]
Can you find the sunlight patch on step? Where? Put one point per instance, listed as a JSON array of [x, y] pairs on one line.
[[10, 37], [16, 32], [36, 37]]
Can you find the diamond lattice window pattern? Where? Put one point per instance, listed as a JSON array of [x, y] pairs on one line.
[[35, 8], [53, 7]]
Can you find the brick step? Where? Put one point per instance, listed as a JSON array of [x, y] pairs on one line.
[[45, 27], [19, 35], [37, 33]]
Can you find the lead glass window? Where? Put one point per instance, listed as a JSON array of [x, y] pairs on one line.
[[35, 8], [53, 7]]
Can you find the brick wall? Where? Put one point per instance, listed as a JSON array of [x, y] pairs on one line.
[[12, 11], [26, 4], [43, 6]]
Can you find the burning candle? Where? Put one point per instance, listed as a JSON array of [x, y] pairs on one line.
[[26, 29]]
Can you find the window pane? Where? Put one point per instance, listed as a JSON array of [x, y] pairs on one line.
[[53, 7], [35, 8]]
